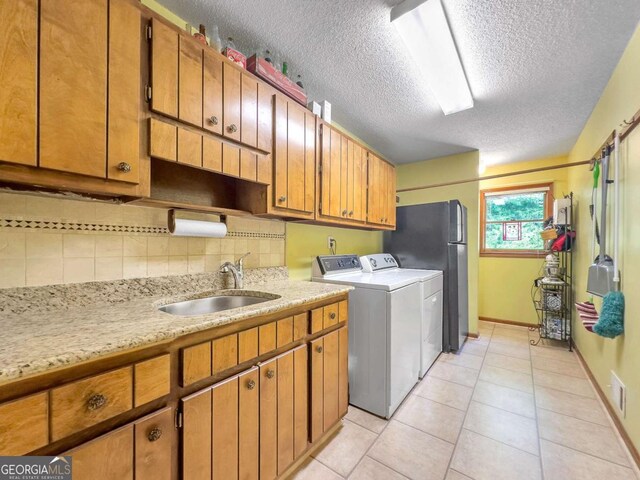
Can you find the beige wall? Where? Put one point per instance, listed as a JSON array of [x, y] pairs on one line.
[[505, 283], [446, 169], [46, 240], [620, 100]]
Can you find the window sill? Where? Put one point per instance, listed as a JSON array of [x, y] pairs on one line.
[[506, 254]]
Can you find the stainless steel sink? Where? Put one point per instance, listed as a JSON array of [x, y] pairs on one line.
[[214, 303]]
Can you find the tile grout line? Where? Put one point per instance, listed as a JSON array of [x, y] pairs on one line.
[[590, 455], [535, 412], [466, 413]]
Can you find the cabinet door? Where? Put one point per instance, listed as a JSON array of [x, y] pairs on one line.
[[391, 198], [18, 77], [73, 86], [248, 425], [196, 436], [358, 184], [280, 151], [309, 161], [224, 418], [335, 174], [249, 116], [154, 443], [106, 457], [375, 176], [265, 117], [295, 158], [164, 69], [344, 178], [231, 102], [268, 420], [123, 135], [190, 82], [329, 381], [212, 92]]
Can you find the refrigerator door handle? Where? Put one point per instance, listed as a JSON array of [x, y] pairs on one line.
[[460, 223]]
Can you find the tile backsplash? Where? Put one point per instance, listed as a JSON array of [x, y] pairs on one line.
[[48, 240]]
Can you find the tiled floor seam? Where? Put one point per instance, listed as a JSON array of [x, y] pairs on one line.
[[629, 467], [438, 402], [564, 391], [576, 418], [535, 413], [475, 384]]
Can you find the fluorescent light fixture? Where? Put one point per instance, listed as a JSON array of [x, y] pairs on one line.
[[424, 28]]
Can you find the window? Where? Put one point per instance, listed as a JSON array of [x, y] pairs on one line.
[[512, 218]]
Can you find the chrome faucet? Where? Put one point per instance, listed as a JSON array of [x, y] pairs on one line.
[[236, 269]]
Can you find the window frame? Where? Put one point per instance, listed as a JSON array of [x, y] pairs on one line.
[[506, 253]]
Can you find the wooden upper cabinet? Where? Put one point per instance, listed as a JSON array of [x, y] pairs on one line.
[[266, 94], [334, 176], [190, 82], [212, 92], [249, 112], [18, 80], [123, 134], [73, 86], [294, 150], [164, 69], [231, 86], [381, 192]]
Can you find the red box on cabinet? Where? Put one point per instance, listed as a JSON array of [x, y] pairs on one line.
[[236, 57], [263, 69]]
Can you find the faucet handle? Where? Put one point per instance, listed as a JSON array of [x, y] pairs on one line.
[[241, 259]]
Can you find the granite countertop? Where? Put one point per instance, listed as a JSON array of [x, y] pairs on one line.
[[38, 339]]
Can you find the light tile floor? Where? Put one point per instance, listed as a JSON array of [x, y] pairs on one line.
[[500, 409]]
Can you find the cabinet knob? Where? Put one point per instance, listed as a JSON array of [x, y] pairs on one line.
[[344, 213], [282, 198], [319, 349], [213, 119], [332, 315], [124, 167], [251, 384], [96, 402], [232, 128], [351, 213], [270, 373], [154, 434]]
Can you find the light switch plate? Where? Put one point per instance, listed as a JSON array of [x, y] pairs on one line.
[[618, 394]]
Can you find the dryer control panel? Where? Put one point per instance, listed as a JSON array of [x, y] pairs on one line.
[[378, 261], [331, 264]]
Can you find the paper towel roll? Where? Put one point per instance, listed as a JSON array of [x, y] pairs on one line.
[[195, 228]]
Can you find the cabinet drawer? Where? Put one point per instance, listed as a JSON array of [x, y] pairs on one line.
[[267, 338], [225, 353], [163, 140], [152, 379], [328, 316], [24, 424], [196, 363], [87, 402]]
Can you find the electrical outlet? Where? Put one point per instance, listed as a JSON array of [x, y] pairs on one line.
[[331, 242], [618, 394]]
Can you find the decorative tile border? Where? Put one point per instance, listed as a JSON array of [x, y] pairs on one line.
[[103, 227]]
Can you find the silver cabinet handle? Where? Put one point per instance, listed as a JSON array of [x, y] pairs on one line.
[[271, 373], [344, 213], [251, 384], [232, 128], [124, 167], [351, 213], [282, 198], [213, 119], [319, 349]]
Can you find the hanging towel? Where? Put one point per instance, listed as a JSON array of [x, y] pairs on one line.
[[611, 323]]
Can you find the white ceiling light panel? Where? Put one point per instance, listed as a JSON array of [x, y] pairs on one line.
[[424, 29]]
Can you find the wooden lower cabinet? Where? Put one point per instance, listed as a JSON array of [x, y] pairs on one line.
[[141, 450], [252, 425], [329, 381]]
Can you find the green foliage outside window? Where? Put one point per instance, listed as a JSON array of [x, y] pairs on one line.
[[527, 208]]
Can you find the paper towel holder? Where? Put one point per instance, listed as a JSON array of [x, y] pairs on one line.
[[171, 220]]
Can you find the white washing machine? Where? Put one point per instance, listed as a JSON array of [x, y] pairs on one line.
[[385, 312], [431, 285]]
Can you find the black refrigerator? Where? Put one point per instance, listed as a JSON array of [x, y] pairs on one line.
[[433, 236]]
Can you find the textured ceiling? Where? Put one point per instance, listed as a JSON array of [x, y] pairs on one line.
[[536, 68]]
